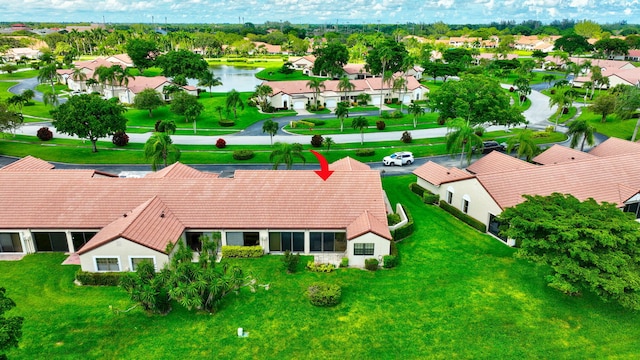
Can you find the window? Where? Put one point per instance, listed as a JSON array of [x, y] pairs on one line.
[[107, 264], [283, 241], [328, 241], [51, 241], [465, 203], [363, 248], [243, 238], [449, 195], [632, 208], [10, 242], [80, 238], [193, 241], [135, 261]]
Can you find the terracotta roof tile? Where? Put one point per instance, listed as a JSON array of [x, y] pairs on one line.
[[366, 223], [28, 163], [614, 146], [180, 171], [348, 163], [558, 154], [496, 161], [437, 174]]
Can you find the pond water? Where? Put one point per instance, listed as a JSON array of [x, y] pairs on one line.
[[239, 78]]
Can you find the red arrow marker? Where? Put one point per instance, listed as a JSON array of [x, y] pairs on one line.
[[324, 171]]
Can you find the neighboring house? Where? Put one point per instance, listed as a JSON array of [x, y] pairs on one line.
[[465, 41], [266, 48], [114, 223], [618, 72], [609, 172], [121, 59], [15, 54], [634, 55], [304, 63]]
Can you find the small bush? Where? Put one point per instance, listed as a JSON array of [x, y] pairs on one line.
[[393, 219], [463, 217], [371, 264], [226, 123], [406, 137], [541, 134], [389, 261], [417, 189], [324, 294], [344, 262], [317, 141], [44, 134], [405, 230], [290, 261], [397, 114], [221, 143], [229, 251], [120, 138], [430, 198], [317, 267], [380, 125], [243, 154], [316, 122], [365, 152], [385, 115], [99, 278]]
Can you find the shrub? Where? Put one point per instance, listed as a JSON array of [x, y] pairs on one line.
[[324, 294], [389, 261], [441, 120], [397, 114], [462, 216], [380, 125], [120, 138], [221, 144], [393, 219], [365, 152], [406, 137], [226, 123], [406, 230], [317, 141], [344, 262], [229, 251], [290, 261], [430, 198], [385, 115], [44, 134], [100, 279], [316, 122], [318, 267], [243, 154], [417, 189], [371, 264]]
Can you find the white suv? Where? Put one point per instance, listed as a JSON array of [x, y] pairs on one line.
[[399, 158]]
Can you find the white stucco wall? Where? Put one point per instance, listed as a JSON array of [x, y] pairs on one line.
[[382, 247], [480, 202], [429, 186], [123, 249]]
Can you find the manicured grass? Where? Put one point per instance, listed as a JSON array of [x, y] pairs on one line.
[[614, 127], [332, 126], [272, 73], [19, 75], [456, 294]]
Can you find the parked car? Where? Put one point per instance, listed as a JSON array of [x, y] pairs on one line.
[[489, 146], [399, 159]]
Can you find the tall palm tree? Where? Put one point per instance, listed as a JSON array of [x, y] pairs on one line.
[[50, 98], [48, 74], [548, 78], [209, 79], [271, 127], [387, 78], [315, 84], [463, 137], [524, 145], [563, 98], [121, 76], [415, 110], [580, 128], [345, 85], [160, 150], [262, 94], [328, 141], [341, 112], [386, 54], [285, 154], [78, 75], [360, 123], [400, 85], [105, 76], [218, 109], [233, 102]]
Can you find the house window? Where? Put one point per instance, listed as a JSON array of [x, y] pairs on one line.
[[363, 248], [10, 242], [283, 241], [135, 261], [449, 197], [243, 238], [328, 241], [107, 264], [80, 238], [51, 241], [465, 203], [632, 208], [193, 241]]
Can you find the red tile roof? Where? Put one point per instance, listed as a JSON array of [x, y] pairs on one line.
[[180, 171], [367, 223], [437, 174], [28, 163], [348, 163], [614, 146], [558, 154], [496, 161]]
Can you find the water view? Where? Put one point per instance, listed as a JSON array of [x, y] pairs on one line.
[[239, 78]]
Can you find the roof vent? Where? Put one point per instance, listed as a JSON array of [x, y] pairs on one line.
[[162, 214], [573, 158], [448, 173], [124, 215]]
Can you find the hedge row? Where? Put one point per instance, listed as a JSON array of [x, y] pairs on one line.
[[365, 152], [462, 216], [102, 278], [243, 154], [229, 251], [417, 189], [406, 230], [430, 198]]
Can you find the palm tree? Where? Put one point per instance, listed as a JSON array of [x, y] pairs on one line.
[[524, 89], [563, 98], [386, 55], [341, 112], [219, 109], [271, 127], [580, 128], [463, 137], [48, 74], [233, 102], [121, 76], [105, 76], [262, 93], [78, 75], [166, 126], [360, 123], [415, 110], [400, 85], [524, 145], [345, 85], [315, 84], [28, 94], [160, 149], [208, 79], [91, 82], [50, 98], [548, 78], [328, 141], [364, 98], [17, 101], [387, 77], [285, 154]]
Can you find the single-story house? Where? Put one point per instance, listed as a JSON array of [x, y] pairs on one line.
[[15, 54], [609, 172], [113, 223]]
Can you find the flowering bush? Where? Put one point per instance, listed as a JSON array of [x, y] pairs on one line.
[[45, 134], [221, 144], [120, 138]]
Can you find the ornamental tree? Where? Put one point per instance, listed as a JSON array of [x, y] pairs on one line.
[[330, 59], [182, 62], [587, 245], [148, 99], [89, 117], [10, 327]]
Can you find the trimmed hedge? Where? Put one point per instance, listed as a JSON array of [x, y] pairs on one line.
[[316, 122], [99, 278], [389, 261], [365, 152], [417, 189], [430, 198], [371, 264], [406, 230], [229, 251], [243, 154], [44, 134], [317, 267], [464, 217], [226, 123], [324, 294]]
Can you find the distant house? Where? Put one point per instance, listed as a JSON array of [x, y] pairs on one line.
[[497, 181], [15, 54], [345, 216]]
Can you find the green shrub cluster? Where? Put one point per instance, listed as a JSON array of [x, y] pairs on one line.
[[314, 267], [430, 198], [316, 122], [542, 134], [344, 262], [389, 261], [385, 115], [290, 261], [324, 294], [406, 230], [230, 251], [371, 264], [243, 154], [365, 152], [393, 219], [226, 123], [462, 216], [101, 278], [397, 114], [417, 189]]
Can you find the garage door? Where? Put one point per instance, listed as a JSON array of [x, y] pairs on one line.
[[299, 104], [331, 103]]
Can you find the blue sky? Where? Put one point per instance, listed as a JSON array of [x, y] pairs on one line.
[[318, 11]]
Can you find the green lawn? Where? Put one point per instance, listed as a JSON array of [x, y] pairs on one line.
[[456, 294], [614, 127], [19, 75]]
